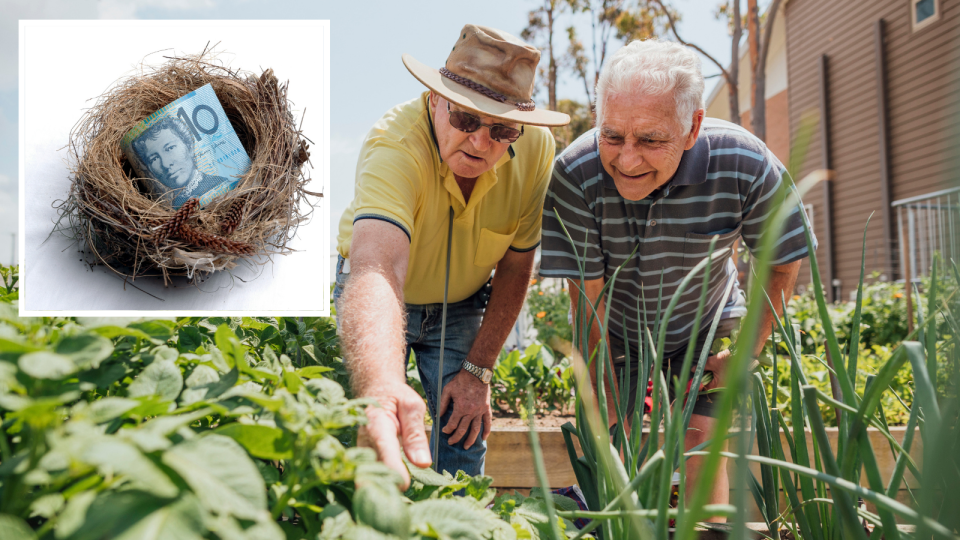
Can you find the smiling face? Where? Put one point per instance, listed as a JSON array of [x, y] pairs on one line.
[[467, 154], [168, 158], [641, 142]]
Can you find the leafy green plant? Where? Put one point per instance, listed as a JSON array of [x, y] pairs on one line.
[[549, 306], [536, 373], [235, 428]]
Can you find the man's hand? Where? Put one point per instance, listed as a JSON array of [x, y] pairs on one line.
[[471, 408], [716, 364], [400, 415]]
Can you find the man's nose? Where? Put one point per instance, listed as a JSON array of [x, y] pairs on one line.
[[630, 159], [480, 139]]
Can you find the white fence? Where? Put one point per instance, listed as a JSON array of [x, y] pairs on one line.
[[928, 224]]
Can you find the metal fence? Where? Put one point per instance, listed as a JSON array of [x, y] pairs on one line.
[[928, 224]]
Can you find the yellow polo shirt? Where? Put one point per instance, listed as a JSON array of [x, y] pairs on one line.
[[401, 179]]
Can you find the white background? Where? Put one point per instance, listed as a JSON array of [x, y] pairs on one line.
[[65, 65]]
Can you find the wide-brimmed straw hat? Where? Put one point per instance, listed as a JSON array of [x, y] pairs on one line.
[[489, 72]]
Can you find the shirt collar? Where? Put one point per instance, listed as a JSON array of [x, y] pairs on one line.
[[693, 163]]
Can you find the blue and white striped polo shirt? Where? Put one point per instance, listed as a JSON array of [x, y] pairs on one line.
[[726, 186]]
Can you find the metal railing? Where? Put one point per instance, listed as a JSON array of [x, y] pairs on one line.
[[927, 224]]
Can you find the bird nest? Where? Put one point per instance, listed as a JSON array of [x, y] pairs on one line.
[[119, 224]]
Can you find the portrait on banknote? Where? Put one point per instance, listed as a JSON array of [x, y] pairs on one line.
[[187, 149]]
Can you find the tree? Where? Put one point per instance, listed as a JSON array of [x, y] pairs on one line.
[[609, 19], [540, 25], [731, 75], [758, 115]]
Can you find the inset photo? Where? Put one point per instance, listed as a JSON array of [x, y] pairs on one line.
[[174, 168]]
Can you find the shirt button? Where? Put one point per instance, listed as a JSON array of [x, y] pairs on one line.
[[653, 223]]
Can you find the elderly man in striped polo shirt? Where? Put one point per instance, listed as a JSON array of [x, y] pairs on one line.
[[656, 173]]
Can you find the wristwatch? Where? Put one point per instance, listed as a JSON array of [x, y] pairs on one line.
[[483, 374]]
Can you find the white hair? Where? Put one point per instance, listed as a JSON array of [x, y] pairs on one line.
[[653, 67]]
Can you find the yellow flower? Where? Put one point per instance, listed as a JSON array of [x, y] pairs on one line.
[[533, 281], [898, 295], [796, 297], [541, 315], [540, 293]]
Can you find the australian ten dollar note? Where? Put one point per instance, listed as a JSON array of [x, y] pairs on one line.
[[187, 149]]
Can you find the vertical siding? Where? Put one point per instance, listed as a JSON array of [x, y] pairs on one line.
[[922, 76]]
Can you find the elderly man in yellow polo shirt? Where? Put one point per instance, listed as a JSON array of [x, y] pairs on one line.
[[453, 178]]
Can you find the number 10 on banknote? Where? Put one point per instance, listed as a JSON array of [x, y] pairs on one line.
[[187, 149]]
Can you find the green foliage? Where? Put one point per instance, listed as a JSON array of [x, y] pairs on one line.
[[536, 371], [190, 428], [550, 309]]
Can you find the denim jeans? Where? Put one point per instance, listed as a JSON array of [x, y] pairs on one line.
[[423, 338]]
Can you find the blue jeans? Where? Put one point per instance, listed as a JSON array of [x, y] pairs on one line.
[[423, 338]]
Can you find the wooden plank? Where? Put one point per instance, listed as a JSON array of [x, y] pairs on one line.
[[510, 461]]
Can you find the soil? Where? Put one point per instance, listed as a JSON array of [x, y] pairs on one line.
[[553, 419]]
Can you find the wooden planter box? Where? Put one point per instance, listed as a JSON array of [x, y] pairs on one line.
[[510, 461]]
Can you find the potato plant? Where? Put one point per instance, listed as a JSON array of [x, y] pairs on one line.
[[189, 428]]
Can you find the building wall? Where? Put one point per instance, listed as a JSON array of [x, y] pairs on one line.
[[922, 72]]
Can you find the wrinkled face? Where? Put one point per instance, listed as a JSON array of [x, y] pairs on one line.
[[641, 142], [467, 154], [168, 158]]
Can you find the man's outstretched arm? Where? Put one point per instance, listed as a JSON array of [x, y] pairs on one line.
[[372, 321]]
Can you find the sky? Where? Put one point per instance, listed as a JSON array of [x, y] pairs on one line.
[[367, 76]]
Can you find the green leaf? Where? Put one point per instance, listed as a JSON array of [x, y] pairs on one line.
[[159, 378], [381, 507], [312, 372], [453, 518], [74, 514], [108, 408], [136, 515], [230, 347], [189, 338], [211, 385], [221, 474], [113, 456], [292, 382], [428, 476], [46, 365], [86, 350], [262, 442], [111, 332], [46, 506], [158, 330], [15, 528]]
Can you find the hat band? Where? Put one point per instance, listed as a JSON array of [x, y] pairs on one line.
[[525, 106]]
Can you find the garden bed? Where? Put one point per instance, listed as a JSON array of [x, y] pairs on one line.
[[510, 459]]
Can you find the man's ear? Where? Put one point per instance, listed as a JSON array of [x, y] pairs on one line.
[[695, 128]]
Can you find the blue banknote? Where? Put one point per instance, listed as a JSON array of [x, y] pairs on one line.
[[187, 149]]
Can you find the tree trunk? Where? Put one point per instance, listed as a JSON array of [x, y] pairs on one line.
[[759, 115], [552, 69], [734, 70], [753, 44]]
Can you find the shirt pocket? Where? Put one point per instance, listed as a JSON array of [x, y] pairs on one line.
[[697, 246], [491, 247]]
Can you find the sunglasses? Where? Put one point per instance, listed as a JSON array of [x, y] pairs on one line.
[[468, 123]]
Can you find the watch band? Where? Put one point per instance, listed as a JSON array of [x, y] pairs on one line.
[[484, 374]]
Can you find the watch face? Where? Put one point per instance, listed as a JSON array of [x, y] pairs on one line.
[[487, 375]]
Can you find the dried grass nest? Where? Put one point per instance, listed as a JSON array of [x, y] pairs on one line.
[[118, 225]]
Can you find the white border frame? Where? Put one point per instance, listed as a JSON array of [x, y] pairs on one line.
[[320, 210], [914, 25]]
